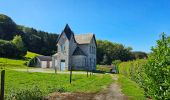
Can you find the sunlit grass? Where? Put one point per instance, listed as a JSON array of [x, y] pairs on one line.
[[7, 63], [49, 83], [131, 89]]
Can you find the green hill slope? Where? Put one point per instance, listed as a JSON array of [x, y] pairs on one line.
[[16, 63], [41, 42]]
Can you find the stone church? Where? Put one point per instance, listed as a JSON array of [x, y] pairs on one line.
[[76, 51]]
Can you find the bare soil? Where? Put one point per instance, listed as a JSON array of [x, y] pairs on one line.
[[113, 92]]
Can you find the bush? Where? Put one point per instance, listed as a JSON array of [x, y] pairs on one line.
[[133, 70], [153, 75], [32, 62], [157, 70]]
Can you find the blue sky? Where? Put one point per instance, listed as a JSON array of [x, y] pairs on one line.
[[135, 23]]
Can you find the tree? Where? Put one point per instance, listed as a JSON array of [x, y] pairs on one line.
[[7, 49], [18, 42], [105, 59], [140, 55], [20, 45], [108, 51]]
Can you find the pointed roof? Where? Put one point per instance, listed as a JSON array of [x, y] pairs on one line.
[[78, 51], [80, 39], [67, 30]]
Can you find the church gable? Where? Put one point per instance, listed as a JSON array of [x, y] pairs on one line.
[[66, 33]]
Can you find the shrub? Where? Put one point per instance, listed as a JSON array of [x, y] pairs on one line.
[[32, 62], [157, 70], [153, 75], [133, 70]]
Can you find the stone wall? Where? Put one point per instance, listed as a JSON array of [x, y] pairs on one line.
[[78, 62], [92, 55], [63, 55]]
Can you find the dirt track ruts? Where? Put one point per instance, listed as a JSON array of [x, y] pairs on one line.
[[113, 92]]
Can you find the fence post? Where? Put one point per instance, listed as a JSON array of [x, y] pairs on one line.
[[70, 74], [87, 72], [55, 69], [2, 84]]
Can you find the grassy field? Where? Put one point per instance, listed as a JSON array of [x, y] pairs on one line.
[[33, 86], [23, 84], [131, 89], [16, 63]]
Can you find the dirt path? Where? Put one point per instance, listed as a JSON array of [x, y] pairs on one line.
[[111, 93]]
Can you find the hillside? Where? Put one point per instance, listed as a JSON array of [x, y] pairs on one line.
[[35, 40], [16, 63]]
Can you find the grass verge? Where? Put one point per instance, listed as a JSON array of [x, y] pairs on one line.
[[131, 89]]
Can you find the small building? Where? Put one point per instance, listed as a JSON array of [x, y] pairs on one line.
[[44, 61]]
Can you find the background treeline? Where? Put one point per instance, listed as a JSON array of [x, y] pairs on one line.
[[35, 41], [108, 52], [153, 74]]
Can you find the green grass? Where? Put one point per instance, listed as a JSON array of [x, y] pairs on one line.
[[103, 68], [16, 63], [31, 55], [48, 83], [25, 85], [131, 89]]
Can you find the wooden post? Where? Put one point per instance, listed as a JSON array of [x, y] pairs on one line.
[[90, 73], [70, 74], [87, 72], [55, 69], [2, 84]]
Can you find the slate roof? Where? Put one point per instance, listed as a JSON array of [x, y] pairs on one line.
[[78, 51], [67, 30], [83, 38], [44, 58], [80, 39]]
